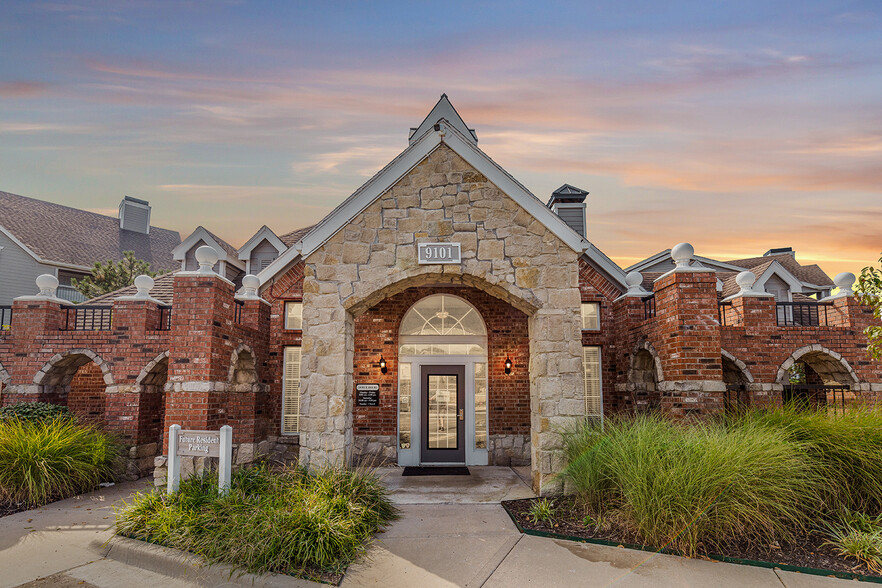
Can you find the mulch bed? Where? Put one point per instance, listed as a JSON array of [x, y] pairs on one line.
[[10, 508], [809, 553]]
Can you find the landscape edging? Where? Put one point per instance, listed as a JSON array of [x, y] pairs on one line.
[[714, 556]]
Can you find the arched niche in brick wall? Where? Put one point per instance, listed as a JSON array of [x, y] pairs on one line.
[[735, 371], [243, 367], [78, 379], [644, 376], [151, 382], [829, 366]]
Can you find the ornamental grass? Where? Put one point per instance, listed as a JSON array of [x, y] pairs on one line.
[[44, 460], [289, 521], [692, 486]]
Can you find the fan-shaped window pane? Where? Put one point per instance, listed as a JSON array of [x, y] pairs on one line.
[[442, 315]]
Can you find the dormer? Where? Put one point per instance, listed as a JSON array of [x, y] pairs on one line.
[[261, 250], [443, 110], [228, 265]]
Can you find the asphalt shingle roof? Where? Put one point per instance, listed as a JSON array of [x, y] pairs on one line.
[[294, 236], [163, 289], [812, 274], [62, 234]]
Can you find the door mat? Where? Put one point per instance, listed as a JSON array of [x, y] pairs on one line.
[[436, 471]]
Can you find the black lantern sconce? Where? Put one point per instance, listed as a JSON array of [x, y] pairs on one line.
[[508, 365], [383, 367]]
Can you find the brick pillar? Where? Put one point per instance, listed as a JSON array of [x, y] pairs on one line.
[[33, 318], [689, 343], [202, 323], [247, 407], [756, 314]]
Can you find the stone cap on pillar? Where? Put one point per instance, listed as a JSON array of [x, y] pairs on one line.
[[48, 286], [745, 281], [144, 284], [250, 284], [634, 280], [682, 254], [844, 281], [207, 258]]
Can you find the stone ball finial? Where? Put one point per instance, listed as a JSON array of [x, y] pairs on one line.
[[634, 281], [250, 284], [144, 284], [682, 254], [207, 257], [48, 285], [745, 281], [845, 281]]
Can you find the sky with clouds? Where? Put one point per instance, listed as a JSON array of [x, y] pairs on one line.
[[736, 126]]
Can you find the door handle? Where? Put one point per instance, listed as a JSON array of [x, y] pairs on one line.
[[461, 417]]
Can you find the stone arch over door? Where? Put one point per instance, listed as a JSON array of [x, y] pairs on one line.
[[78, 379], [827, 379], [737, 378], [645, 376]]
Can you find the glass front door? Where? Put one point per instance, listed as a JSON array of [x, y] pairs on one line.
[[443, 414]]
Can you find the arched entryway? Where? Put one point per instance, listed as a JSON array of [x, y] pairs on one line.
[[152, 381], [737, 378], [442, 383]]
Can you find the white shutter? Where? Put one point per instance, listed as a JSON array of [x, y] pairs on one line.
[[291, 391], [593, 390]]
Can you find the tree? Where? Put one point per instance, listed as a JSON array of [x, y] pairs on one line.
[[869, 291], [112, 275]]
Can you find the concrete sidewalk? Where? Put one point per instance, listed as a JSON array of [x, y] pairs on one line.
[[449, 542]]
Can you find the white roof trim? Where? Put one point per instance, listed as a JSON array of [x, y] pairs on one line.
[[443, 110], [406, 161], [264, 233], [666, 254], [179, 253], [779, 270]]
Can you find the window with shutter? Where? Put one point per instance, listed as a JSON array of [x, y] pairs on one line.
[[593, 390], [291, 392]]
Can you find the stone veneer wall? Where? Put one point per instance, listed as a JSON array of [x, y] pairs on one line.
[[505, 252]]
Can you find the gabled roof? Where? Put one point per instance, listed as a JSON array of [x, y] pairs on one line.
[[65, 236], [419, 149], [263, 233], [443, 110], [163, 289], [225, 251], [809, 274], [664, 256]]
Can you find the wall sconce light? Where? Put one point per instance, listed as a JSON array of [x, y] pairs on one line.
[[383, 365], [508, 365]]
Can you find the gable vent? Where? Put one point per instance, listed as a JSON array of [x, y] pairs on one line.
[[134, 215], [568, 202]]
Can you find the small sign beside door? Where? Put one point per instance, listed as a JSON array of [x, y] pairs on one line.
[[367, 395], [436, 253]]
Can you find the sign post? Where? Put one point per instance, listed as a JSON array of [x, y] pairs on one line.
[[183, 443]]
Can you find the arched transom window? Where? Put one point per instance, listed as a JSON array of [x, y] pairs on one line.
[[442, 314], [443, 325]]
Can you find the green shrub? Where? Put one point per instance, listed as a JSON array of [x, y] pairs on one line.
[[542, 511], [288, 521], [690, 485], [859, 536], [847, 446], [35, 411], [48, 460]]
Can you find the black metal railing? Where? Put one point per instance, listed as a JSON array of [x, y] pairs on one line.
[[88, 318], [649, 307], [5, 318], [801, 314], [815, 396], [165, 313], [237, 315], [722, 307], [735, 398]]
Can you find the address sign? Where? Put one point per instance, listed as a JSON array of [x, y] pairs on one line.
[[437, 253]]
